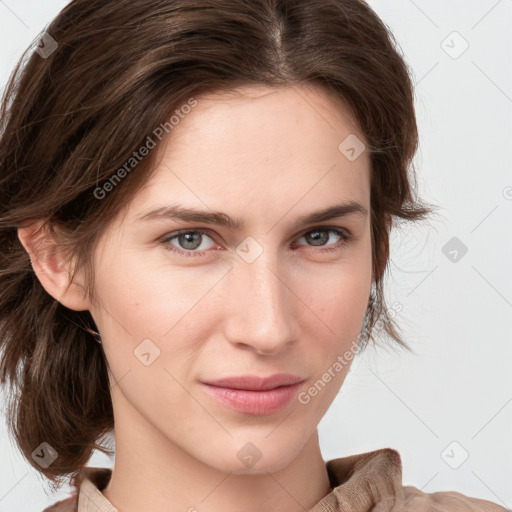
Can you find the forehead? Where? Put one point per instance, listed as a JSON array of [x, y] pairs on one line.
[[260, 106], [260, 146]]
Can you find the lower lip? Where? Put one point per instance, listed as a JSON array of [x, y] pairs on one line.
[[254, 402]]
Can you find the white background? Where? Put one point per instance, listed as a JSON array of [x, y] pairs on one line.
[[456, 316]]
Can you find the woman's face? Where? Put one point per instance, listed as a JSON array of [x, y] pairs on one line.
[[175, 311]]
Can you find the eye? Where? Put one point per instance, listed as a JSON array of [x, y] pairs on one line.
[[190, 240], [322, 235]]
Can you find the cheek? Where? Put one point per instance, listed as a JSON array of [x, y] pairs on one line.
[[340, 303], [143, 324], [146, 301], [339, 295]]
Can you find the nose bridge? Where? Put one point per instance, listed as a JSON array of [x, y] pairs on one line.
[[261, 304]]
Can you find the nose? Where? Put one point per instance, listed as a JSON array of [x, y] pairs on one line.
[[261, 307]]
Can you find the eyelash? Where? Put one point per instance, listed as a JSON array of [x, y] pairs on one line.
[[346, 237]]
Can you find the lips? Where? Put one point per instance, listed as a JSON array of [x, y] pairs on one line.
[[256, 383], [254, 395]]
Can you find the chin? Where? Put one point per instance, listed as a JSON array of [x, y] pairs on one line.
[[255, 457]]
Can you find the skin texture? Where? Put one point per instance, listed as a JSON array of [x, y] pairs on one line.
[[265, 156]]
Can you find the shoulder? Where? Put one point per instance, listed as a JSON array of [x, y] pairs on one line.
[[375, 478], [447, 501]]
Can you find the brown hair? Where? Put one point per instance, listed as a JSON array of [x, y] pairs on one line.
[[71, 119]]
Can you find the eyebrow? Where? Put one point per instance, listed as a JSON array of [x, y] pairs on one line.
[[176, 212]]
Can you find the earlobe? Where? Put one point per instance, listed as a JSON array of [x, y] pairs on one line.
[[50, 266]]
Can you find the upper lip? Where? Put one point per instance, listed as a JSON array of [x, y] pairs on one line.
[[256, 383]]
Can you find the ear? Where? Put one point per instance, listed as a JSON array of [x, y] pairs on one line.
[[49, 264]]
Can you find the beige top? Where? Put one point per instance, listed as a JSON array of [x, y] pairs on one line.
[[361, 483]]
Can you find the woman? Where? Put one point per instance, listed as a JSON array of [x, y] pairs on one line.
[[196, 201]]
